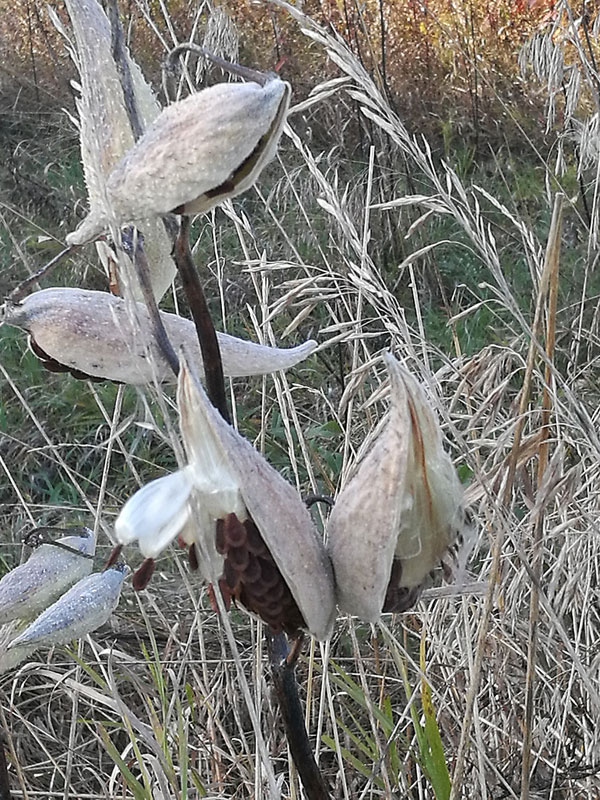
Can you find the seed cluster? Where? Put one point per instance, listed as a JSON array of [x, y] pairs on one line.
[[399, 598], [251, 577]]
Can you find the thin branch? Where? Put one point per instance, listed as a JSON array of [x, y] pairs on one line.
[[138, 256], [170, 68], [19, 291]]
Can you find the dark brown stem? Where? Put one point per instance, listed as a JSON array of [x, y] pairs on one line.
[[209, 344], [283, 668], [19, 291], [283, 659], [170, 69], [5, 793]]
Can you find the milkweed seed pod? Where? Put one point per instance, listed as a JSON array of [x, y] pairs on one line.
[[199, 152], [48, 572], [250, 526], [85, 607], [97, 335], [9, 659], [104, 127], [399, 513]]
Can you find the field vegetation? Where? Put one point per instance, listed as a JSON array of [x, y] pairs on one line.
[[436, 193]]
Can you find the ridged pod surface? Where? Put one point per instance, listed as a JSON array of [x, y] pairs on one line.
[[97, 335], [49, 571], [400, 511]]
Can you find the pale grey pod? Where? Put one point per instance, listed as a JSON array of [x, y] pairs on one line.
[[93, 334], [9, 659], [272, 503], [49, 571], [85, 607], [105, 131], [400, 511], [199, 152]]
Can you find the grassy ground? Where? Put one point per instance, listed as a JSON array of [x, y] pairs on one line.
[[365, 244]]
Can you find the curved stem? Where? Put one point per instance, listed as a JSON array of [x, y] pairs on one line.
[[170, 69]]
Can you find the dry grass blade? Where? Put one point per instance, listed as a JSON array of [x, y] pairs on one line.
[[552, 266]]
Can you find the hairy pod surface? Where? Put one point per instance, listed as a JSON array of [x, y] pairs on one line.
[[85, 607], [97, 335], [198, 152], [49, 571], [400, 511]]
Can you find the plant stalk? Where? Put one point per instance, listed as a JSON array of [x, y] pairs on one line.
[[283, 669], [138, 257], [209, 344], [282, 657]]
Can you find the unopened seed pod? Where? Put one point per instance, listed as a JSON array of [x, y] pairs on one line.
[[85, 607], [400, 511], [49, 571], [197, 153], [97, 335], [9, 659]]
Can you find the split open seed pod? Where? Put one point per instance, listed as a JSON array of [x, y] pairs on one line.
[[199, 152], [85, 607], [253, 532], [399, 513], [48, 572], [97, 335]]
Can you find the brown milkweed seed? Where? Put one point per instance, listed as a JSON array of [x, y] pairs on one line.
[[254, 580]]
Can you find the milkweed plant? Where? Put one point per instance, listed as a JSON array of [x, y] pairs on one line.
[[397, 515]]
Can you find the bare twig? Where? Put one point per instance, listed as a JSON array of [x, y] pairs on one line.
[[138, 256], [19, 291], [170, 69]]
